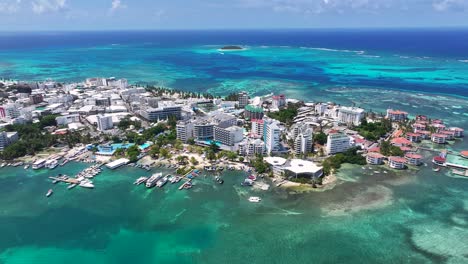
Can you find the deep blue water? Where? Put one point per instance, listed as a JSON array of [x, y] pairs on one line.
[[424, 42]]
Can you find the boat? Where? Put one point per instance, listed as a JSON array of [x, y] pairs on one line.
[[51, 164], [49, 193], [65, 161], [436, 169], [254, 199], [162, 182], [140, 180], [71, 186], [39, 164], [3, 165], [171, 178], [86, 184], [151, 182], [26, 167], [247, 182], [253, 177]]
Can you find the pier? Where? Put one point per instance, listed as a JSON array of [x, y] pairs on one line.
[[68, 180]]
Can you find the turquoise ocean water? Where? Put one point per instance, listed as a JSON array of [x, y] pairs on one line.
[[368, 217]]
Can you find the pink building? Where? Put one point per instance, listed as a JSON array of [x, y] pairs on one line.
[[396, 162], [458, 131], [400, 142], [413, 159], [450, 134], [413, 137], [439, 138], [396, 115], [375, 158]]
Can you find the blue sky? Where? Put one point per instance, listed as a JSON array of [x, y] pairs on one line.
[[208, 14]]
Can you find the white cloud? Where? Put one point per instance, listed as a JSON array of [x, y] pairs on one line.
[[116, 4], [450, 5], [46, 6], [356, 6], [9, 6]]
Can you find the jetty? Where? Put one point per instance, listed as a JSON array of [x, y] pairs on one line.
[[66, 180]]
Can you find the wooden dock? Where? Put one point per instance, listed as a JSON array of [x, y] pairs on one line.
[[69, 180]]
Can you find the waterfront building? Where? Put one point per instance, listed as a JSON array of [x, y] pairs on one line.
[[117, 163], [438, 160], [184, 130], [350, 115], [450, 134], [458, 131], [295, 168], [413, 159], [278, 101], [243, 99], [7, 138], [419, 127], [396, 162], [257, 128], [425, 134], [203, 130], [413, 137], [251, 147], [228, 136], [439, 138], [161, 113], [271, 135], [104, 122], [374, 158], [337, 143], [438, 127], [396, 115], [253, 112]]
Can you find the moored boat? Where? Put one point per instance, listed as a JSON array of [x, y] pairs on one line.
[[140, 180], [254, 199], [151, 182]]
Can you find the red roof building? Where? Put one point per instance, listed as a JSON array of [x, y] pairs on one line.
[[401, 141], [374, 158], [413, 159], [396, 162]]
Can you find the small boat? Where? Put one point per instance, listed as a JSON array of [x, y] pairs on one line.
[[49, 193], [26, 167], [153, 179], [253, 177], [162, 182], [71, 186], [3, 165], [140, 180], [436, 169], [254, 199], [87, 184], [247, 182]]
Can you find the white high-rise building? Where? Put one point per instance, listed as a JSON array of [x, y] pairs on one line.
[[104, 122], [257, 128], [10, 111], [7, 138], [228, 136], [337, 143], [184, 130], [350, 115], [271, 135], [303, 143], [251, 147]]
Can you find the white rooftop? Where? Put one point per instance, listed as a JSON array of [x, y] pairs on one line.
[[275, 161], [299, 166]]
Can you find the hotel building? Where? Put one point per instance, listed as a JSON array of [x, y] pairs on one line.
[[351, 115], [396, 115], [396, 162], [374, 158], [439, 138], [413, 159], [337, 143]]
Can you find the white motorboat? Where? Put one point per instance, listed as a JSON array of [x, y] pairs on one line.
[[162, 182], [153, 179], [87, 184], [254, 199], [49, 192]]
